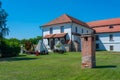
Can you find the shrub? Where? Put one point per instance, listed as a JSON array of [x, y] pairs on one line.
[[9, 48]]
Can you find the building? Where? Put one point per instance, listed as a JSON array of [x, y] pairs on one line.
[[68, 30], [107, 34]]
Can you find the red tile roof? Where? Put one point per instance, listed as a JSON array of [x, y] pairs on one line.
[[60, 35], [48, 36], [62, 19], [106, 29], [66, 19], [102, 26], [104, 22]]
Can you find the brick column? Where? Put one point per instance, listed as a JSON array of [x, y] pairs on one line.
[[88, 50]]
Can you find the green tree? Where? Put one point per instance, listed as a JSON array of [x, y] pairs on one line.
[[3, 29], [10, 47], [3, 16], [32, 40]]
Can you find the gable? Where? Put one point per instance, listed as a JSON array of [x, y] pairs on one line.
[[66, 19]]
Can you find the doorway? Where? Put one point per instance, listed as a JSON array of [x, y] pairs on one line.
[[52, 43]]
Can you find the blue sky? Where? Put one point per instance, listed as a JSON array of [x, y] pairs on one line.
[[25, 16]]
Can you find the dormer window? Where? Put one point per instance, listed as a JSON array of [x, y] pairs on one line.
[[111, 26]]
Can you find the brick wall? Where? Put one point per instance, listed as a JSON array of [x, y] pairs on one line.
[[88, 51]]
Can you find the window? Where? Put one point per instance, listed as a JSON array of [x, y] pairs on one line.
[[97, 37], [87, 31], [111, 26], [111, 37], [97, 46], [76, 29], [82, 30], [62, 29], [51, 30], [111, 48]]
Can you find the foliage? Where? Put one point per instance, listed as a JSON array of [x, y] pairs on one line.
[[3, 27], [58, 45], [3, 31], [32, 40], [9, 47], [29, 47], [29, 43], [60, 67]]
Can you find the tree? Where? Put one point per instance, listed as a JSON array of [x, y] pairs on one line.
[[35, 40], [3, 16], [3, 29], [32, 40]]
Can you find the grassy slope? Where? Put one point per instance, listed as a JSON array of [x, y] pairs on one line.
[[60, 67]]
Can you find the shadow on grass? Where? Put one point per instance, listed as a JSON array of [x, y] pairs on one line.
[[21, 55], [106, 66], [16, 59]]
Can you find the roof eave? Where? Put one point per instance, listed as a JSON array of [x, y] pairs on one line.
[[54, 24], [107, 32]]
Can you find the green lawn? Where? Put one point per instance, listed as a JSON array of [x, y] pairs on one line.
[[60, 67]]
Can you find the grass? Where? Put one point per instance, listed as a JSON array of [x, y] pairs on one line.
[[60, 67]]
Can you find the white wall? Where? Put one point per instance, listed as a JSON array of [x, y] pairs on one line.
[[79, 30], [79, 27], [105, 43], [45, 41], [57, 30], [46, 31], [68, 28]]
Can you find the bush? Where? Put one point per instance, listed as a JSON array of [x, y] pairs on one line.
[[9, 48]]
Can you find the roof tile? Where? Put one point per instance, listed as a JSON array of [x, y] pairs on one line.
[[104, 22], [48, 36], [106, 29], [66, 19], [60, 35]]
